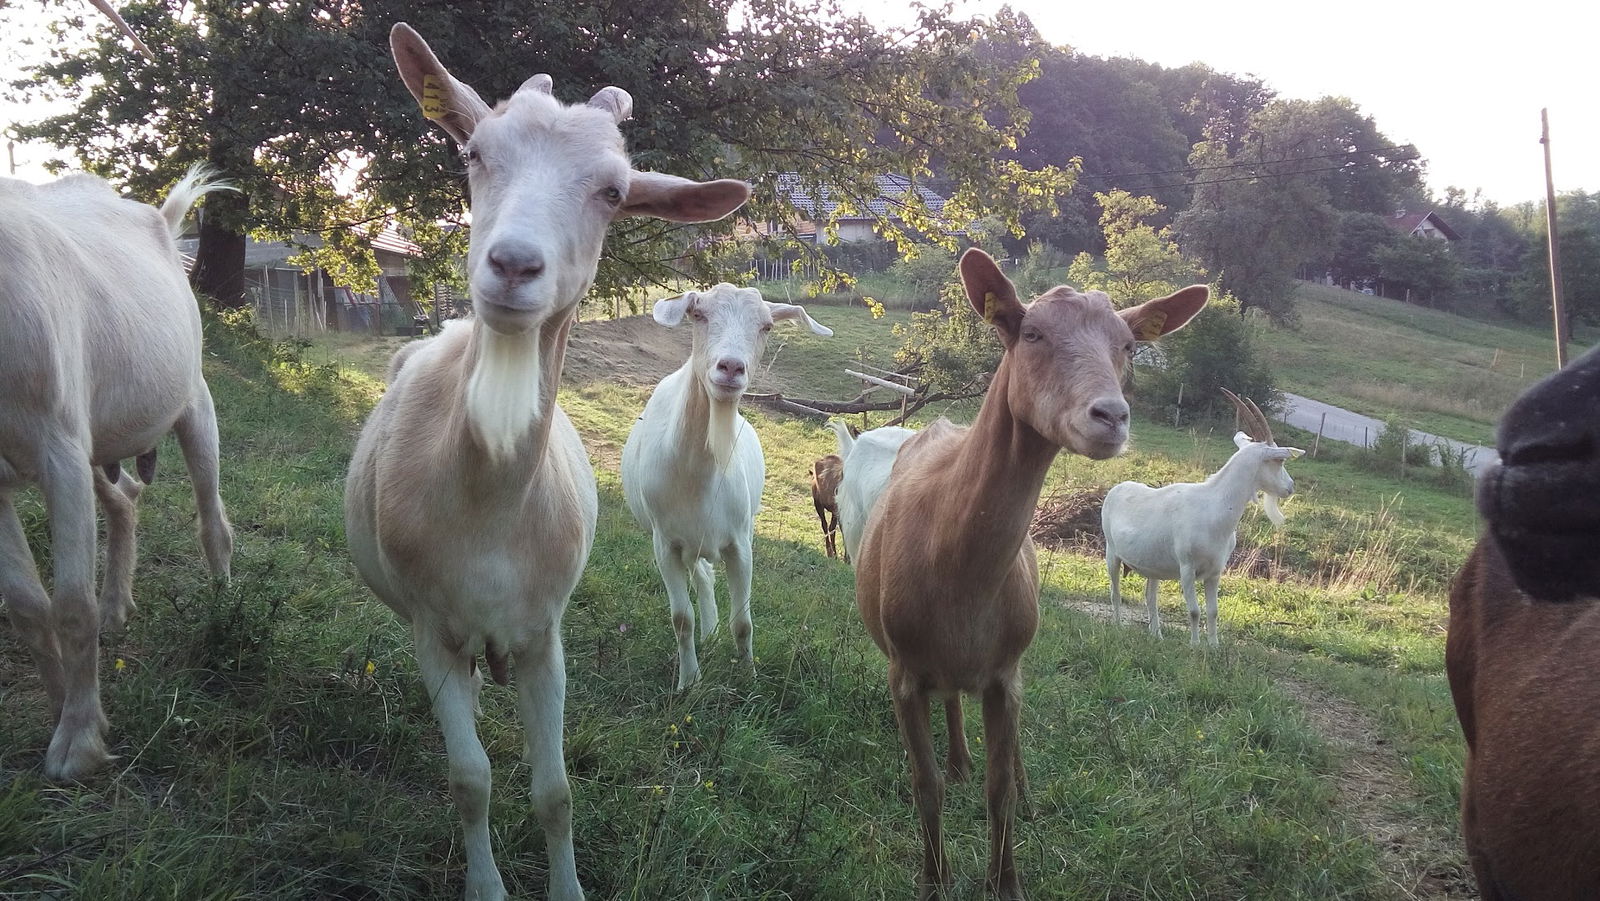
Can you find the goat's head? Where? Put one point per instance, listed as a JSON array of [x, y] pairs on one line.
[[730, 333], [1542, 500], [1272, 480], [546, 180], [1067, 352]]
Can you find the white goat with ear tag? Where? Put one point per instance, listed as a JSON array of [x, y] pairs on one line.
[[692, 470], [1187, 531]]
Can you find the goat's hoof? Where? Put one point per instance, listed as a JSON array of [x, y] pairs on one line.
[[485, 889], [687, 679], [76, 754], [958, 771], [114, 615]]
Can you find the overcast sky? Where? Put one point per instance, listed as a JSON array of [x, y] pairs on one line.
[[1464, 81]]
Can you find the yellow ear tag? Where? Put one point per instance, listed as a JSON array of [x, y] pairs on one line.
[[433, 97], [1150, 325], [991, 307]]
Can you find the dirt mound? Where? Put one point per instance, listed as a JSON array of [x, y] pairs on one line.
[[635, 351], [1070, 520]]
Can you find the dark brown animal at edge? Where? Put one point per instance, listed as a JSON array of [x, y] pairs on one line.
[[1523, 653], [826, 474], [946, 580]]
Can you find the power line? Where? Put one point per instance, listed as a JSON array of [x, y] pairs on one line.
[[1318, 156], [1263, 176]]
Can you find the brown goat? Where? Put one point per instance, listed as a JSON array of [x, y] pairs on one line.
[[946, 580], [1524, 649], [826, 474]]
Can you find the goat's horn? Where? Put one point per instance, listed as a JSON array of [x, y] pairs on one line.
[[122, 25], [540, 83], [1247, 416], [614, 100], [1261, 418]]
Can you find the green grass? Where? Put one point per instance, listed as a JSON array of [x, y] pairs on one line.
[[261, 758], [1443, 373]]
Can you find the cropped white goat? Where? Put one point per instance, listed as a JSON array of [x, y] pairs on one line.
[[692, 469], [470, 506], [868, 460], [1187, 531], [100, 357]]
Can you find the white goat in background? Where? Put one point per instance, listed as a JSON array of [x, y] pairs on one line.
[[99, 358], [868, 460], [692, 470], [1187, 531], [470, 505]]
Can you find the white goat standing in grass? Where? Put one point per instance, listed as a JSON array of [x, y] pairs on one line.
[[692, 470], [470, 505], [1187, 531], [868, 460], [99, 358]]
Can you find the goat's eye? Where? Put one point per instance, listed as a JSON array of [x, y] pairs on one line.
[[613, 195], [766, 328], [1129, 348], [697, 316], [1030, 335], [470, 155]]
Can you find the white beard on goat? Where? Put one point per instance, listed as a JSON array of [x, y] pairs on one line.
[[1269, 505], [722, 427], [503, 392]]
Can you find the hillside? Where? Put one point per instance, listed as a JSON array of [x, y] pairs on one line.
[[276, 743]]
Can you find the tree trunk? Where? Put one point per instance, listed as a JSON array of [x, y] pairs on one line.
[[219, 261]]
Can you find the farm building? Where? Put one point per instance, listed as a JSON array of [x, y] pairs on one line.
[[290, 300], [815, 204], [1422, 225]]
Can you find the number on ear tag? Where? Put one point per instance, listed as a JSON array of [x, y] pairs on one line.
[[1150, 325], [433, 97]]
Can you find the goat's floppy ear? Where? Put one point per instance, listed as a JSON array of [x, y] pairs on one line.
[[991, 294], [681, 200], [1165, 315], [614, 100], [457, 108], [1242, 441], [797, 312], [669, 310]]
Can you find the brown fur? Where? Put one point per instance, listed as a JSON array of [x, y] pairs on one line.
[[826, 473], [1525, 675], [946, 580]]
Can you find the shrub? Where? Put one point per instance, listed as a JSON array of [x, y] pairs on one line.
[[1217, 349]]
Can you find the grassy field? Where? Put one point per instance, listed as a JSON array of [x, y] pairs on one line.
[[275, 741]]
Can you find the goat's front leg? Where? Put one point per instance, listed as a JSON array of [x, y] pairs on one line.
[[197, 436], [675, 575], [120, 502], [1002, 711], [736, 557], [958, 765], [1152, 603], [827, 533], [78, 746], [28, 604], [541, 700], [452, 683], [927, 785], [1186, 579], [1212, 584]]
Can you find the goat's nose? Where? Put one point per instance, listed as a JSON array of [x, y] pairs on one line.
[[516, 261], [730, 367], [1111, 412]]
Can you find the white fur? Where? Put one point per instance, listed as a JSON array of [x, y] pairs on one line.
[[99, 358], [868, 460], [503, 392], [1187, 531], [692, 469]]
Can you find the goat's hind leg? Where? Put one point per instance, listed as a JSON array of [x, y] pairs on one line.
[[1212, 584], [452, 683], [958, 765], [120, 501], [705, 594], [197, 436], [1002, 711], [1114, 571], [1152, 603], [737, 560], [541, 700], [28, 604]]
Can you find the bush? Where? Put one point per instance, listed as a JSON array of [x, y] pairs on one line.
[[1041, 269], [925, 276], [1217, 349]]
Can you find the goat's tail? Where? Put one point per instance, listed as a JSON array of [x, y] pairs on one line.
[[845, 440], [199, 181]]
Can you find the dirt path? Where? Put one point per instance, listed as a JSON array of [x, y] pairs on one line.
[[1421, 861]]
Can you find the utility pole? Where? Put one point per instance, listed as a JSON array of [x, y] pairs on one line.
[[1556, 307]]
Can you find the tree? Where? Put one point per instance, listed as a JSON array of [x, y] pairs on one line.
[[1421, 266], [1361, 237], [1141, 261], [297, 103]]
